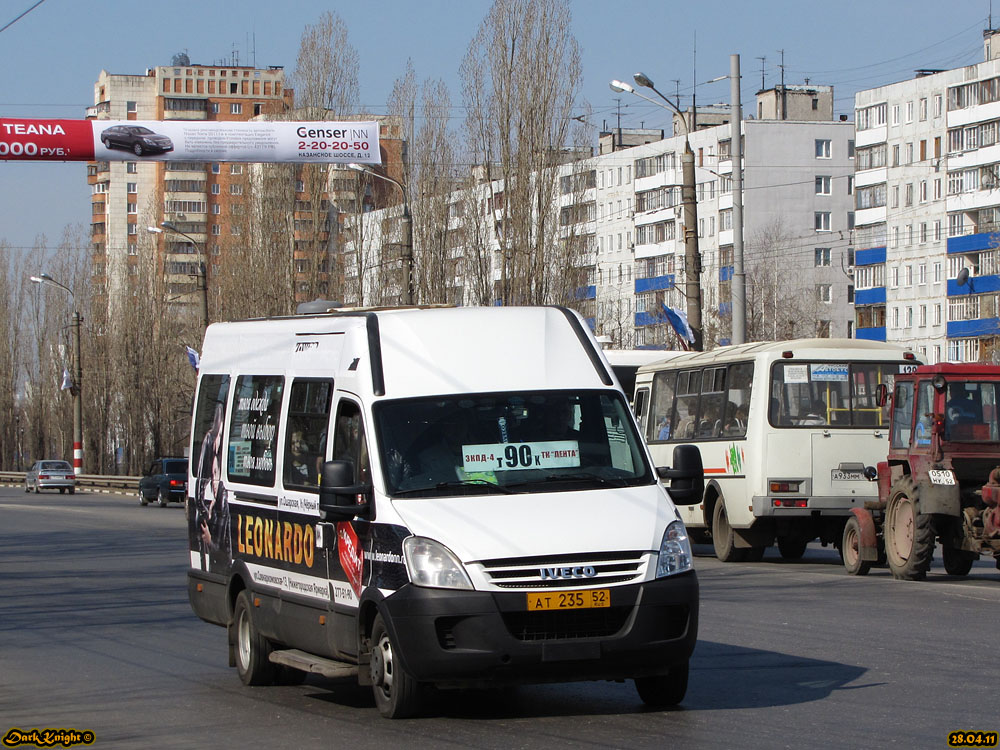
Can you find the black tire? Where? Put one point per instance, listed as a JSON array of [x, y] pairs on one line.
[[163, 498], [958, 562], [137, 149], [663, 691], [850, 549], [72, 490], [756, 554], [107, 143], [62, 490], [397, 694], [792, 547], [909, 534], [142, 499], [251, 649], [723, 538]]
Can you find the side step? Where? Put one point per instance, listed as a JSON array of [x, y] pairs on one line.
[[306, 662]]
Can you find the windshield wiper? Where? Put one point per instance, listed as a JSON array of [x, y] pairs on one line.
[[457, 483], [580, 477]]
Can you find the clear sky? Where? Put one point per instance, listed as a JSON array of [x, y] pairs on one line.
[[53, 55]]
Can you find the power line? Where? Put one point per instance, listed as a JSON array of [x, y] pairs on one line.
[[11, 23]]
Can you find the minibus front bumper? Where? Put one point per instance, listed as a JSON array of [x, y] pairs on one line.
[[469, 638]]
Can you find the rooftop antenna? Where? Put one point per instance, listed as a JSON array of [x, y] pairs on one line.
[[694, 90], [784, 97], [762, 60]]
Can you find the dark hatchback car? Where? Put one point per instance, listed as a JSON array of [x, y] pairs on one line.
[[164, 481], [137, 139]]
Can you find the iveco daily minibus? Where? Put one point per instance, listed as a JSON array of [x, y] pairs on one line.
[[452, 497]]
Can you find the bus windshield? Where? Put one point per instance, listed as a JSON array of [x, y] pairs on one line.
[[499, 443], [830, 394]]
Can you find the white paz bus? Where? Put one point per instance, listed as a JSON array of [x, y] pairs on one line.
[[786, 431]]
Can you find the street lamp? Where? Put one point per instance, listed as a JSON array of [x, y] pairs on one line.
[[77, 389], [407, 228], [202, 274], [692, 258]]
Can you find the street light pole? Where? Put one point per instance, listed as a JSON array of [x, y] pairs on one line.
[[692, 256], [202, 274], [408, 296], [739, 285], [77, 388]]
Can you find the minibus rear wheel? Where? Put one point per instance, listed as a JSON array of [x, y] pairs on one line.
[[397, 694], [663, 691], [252, 650]]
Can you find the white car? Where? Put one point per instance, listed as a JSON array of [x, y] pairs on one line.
[[50, 475]]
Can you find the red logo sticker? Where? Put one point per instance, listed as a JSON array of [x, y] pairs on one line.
[[351, 555]]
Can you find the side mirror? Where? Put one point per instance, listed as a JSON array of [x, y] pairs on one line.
[[686, 476], [338, 492], [881, 394]]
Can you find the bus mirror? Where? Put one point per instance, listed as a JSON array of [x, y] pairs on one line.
[[881, 394], [338, 493], [686, 476]]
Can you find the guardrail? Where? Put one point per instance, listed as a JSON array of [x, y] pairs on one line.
[[88, 481]]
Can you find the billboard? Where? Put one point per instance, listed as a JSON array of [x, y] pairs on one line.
[[29, 139]]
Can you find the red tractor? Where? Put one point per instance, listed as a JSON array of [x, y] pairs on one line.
[[942, 477]]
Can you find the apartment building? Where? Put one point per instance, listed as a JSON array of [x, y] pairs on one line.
[[928, 211], [197, 198], [624, 207]]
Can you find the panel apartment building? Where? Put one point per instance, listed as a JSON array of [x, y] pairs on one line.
[[625, 203], [928, 211]]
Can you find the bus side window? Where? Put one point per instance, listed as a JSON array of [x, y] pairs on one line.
[[639, 408]]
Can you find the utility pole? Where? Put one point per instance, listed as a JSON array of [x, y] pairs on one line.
[[77, 392], [739, 285]]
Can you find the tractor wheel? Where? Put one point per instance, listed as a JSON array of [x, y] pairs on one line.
[[850, 549], [909, 534]]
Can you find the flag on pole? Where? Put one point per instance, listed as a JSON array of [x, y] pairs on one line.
[[193, 357], [67, 381], [679, 322]]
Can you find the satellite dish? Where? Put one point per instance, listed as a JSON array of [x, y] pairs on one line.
[[963, 277]]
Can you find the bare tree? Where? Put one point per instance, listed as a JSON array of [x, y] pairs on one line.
[[521, 76], [780, 303]]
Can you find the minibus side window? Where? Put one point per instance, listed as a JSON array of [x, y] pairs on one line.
[[738, 400], [305, 432], [349, 442], [253, 429], [685, 420]]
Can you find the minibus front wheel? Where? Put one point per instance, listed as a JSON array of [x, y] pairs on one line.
[[663, 691], [397, 694]]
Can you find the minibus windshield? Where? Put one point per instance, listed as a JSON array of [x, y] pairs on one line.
[[498, 443]]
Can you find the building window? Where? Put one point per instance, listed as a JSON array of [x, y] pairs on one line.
[[300, 186], [216, 230], [133, 249], [822, 257], [216, 168], [895, 114], [236, 190], [823, 293], [850, 148], [923, 316], [130, 208], [823, 185], [894, 277], [235, 169], [130, 167], [216, 209], [937, 105], [216, 189], [822, 148], [922, 111], [132, 187], [822, 221], [236, 108], [850, 184], [908, 275], [937, 271], [133, 229]]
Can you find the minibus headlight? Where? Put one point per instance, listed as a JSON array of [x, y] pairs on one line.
[[431, 564], [675, 551]]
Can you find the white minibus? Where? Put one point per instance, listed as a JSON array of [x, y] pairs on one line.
[[787, 430], [452, 497]]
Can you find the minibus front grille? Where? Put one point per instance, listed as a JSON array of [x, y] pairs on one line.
[[567, 583], [564, 624], [565, 571]]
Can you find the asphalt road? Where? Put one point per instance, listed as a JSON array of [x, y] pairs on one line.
[[96, 633]]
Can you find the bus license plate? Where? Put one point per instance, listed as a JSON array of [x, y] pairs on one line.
[[590, 599], [840, 475], [941, 476]]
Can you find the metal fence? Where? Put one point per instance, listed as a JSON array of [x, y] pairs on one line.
[[84, 481]]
